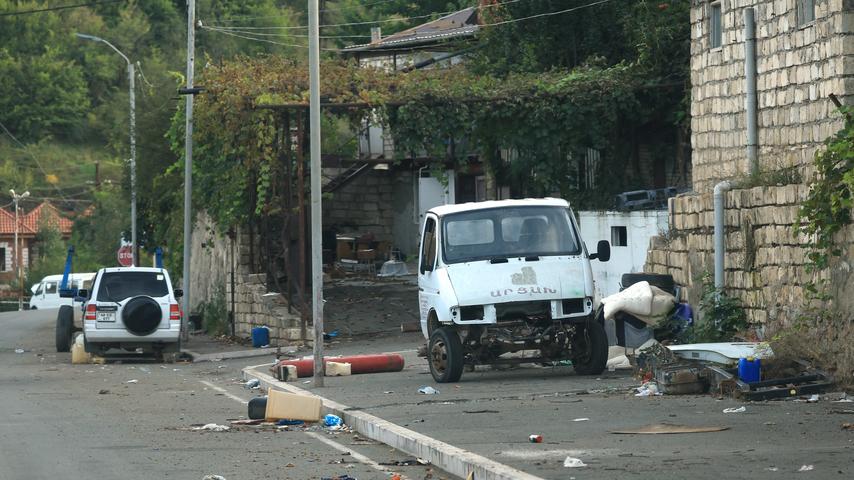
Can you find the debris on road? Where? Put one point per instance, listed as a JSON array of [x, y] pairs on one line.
[[405, 463], [213, 427], [647, 390], [252, 384], [584, 419], [571, 462], [257, 408], [427, 390], [338, 369], [287, 373], [331, 420], [292, 406], [103, 391], [289, 422], [666, 428], [341, 477], [19, 350], [740, 409], [535, 438], [848, 426], [213, 477], [374, 363], [133, 381], [806, 468], [680, 379]]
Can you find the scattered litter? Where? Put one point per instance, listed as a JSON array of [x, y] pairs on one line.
[[331, 420], [806, 468], [481, 411], [647, 390], [585, 419], [848, 426], [286, 421], [741, 409], [666, 428], [103, 391], [571, 462], [342, 477], [306, 382], [427, 390], [213, 427], [252, 384], [19, 350], [772, 469], [535, 438], [388, 392], [256, 421], [133, 381], [843, 400], [292, 406], [813, 398], [213, 477], [144, 370], [618, 362], [405, 463]]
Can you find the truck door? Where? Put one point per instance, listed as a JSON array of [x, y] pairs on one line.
[[428, 285]]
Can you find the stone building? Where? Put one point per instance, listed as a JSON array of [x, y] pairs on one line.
[[804, 54]]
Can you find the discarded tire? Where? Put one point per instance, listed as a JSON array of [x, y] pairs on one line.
[[590, 349], [141, 315], [258, 408], [664, 282], [64, 328]]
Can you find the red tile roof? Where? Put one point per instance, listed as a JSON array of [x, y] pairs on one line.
[[47, 213], [7, 224], [30, 222]]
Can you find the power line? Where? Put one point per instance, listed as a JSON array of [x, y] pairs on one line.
[[31, 155], [240, 18], [546, 14], [374, 22], [64, 7]]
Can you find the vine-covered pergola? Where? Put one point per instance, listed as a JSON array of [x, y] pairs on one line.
[[250, 131]]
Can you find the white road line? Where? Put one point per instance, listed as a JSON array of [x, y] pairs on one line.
[[224, 392], [337, 446], [358, 456]]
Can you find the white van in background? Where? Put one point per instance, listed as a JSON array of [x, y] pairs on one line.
[[46, 292]]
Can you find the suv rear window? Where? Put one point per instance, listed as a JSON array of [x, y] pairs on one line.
[[117, 286]]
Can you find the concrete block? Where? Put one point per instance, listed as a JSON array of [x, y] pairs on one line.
[[337, 369]]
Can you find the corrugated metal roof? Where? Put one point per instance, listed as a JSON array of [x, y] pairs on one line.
[[458, 24]]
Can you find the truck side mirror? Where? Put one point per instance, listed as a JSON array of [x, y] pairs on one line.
[[603, 251], [82, 293]]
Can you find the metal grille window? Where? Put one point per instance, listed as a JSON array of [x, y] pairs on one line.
[[2, 259], [806, 12], [715, 30]]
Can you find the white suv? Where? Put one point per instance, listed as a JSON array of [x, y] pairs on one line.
[[128, 308]]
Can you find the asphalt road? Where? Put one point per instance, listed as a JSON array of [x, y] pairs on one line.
[[492, 413], [86, 421]]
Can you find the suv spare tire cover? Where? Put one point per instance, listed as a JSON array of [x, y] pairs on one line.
[[141, 315]]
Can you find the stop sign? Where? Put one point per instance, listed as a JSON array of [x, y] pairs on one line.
[[125, 256]]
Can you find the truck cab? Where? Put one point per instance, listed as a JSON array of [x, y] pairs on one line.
[[503, 277]]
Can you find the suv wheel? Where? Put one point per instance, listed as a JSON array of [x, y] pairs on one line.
[[141, 315], [64, 328], [589, 348]]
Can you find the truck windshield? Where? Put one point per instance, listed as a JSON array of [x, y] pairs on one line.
[[508, 232], [117, 286]]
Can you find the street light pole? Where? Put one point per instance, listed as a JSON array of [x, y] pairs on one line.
[[316, 218], [16, 198], [188, 165], [132, 96]]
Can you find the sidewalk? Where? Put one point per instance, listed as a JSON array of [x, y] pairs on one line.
[[205, 348]]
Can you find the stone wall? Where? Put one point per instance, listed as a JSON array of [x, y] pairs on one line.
[[765, 263], [797, 68], [254, 306], [379, 202]]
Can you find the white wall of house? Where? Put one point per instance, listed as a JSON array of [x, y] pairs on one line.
[[628, 250]]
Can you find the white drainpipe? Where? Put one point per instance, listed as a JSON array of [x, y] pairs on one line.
[[720, 198]]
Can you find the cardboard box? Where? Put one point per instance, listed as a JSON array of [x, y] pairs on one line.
[[337, 369], [291, 406]]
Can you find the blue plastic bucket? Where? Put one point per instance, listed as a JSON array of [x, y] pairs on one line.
[[748, 370], [260, 336]]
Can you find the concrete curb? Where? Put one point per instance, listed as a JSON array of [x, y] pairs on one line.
[[447, 457], [211, 357]]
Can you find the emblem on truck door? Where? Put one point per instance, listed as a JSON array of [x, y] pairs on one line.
[[526, 277]]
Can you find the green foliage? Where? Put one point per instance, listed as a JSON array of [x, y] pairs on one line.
[[722, 316], [97, 236], [214, 312], [827, 208], [49, 256]]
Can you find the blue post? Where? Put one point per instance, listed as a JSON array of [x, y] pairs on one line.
[[64, 291], [158, 257]]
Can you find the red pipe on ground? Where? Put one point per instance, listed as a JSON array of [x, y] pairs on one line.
[[376, 363]]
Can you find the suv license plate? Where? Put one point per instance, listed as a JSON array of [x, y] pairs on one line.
[[106, 316]]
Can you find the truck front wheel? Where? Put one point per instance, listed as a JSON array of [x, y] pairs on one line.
[[590, 348], [445, 354]]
